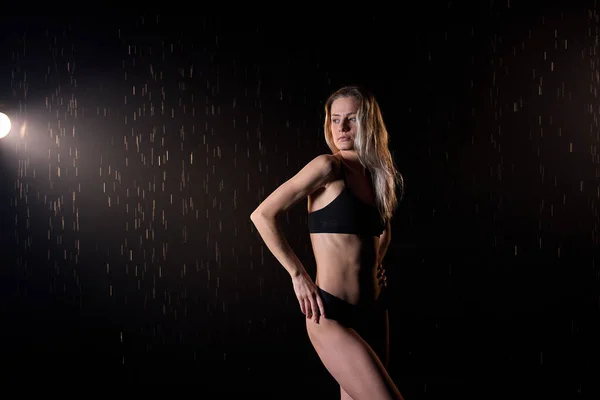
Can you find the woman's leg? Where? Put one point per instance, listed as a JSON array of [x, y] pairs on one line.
[[344, 395], [351, 361], [375, 331], [377, 336]]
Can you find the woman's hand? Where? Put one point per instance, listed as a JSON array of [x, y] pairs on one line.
[[307, 293], [381, 278]]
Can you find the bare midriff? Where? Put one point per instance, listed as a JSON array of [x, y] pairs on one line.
[[347, 266]]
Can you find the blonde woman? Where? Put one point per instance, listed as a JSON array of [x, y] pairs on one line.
[[351, 197]]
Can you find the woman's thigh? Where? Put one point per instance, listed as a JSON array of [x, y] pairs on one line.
[[374, 329], [351, 361]]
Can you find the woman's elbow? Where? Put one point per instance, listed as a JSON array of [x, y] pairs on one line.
[[262, 214]]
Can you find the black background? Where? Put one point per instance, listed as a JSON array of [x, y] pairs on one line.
[[493, 267]]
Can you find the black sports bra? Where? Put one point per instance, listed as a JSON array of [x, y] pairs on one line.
[[347, 214]]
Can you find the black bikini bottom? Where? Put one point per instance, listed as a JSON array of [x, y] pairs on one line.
[[369, 321], [351, 315]]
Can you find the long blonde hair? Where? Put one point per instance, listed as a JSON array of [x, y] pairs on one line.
[[371, 145]]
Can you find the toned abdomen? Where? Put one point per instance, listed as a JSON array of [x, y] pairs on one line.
[[346, 265]]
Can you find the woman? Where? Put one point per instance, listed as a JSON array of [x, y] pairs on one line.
[[351, 198]]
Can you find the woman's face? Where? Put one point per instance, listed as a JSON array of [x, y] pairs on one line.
[[343, 122]]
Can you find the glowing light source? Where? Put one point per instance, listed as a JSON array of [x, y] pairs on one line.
[[4, 125]]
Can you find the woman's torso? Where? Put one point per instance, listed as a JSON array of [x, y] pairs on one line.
[[346, 263]]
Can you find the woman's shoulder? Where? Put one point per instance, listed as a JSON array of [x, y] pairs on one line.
[[333, 160]]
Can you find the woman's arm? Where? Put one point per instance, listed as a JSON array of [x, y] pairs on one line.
[[316, 174], [384, 241], [269, 230]]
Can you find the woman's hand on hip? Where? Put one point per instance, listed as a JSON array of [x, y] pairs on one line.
[[381, 277], [308, 296]]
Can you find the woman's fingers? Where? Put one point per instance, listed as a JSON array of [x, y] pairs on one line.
[[308, 308], [314, 308], [321, 306], [304, 305]]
